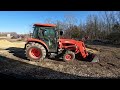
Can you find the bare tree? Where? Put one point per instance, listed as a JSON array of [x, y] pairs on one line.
[[69, 21], [99, 26]]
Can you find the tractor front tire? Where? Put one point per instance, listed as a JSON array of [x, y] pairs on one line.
[[35, 52], [69, 56]]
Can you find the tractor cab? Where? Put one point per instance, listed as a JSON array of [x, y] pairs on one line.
[[47, 33]]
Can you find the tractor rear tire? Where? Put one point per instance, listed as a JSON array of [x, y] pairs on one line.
[[69, 56], [35, 52]]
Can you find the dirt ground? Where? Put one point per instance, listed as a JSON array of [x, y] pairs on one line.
[[14, 65]]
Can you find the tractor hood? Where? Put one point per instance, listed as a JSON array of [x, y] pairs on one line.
[[69, 41]]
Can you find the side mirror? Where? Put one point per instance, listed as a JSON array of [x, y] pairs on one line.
[[61, 33]]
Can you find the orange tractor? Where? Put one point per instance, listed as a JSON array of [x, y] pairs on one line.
[[46, 40]]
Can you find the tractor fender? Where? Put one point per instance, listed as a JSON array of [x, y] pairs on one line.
[[38, 41]]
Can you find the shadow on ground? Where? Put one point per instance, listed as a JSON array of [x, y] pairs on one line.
[[18, 52], [12, 69]]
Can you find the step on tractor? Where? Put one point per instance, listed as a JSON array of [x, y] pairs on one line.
[[46, 40]]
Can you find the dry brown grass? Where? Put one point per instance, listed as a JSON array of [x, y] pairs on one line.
[[6, 44]]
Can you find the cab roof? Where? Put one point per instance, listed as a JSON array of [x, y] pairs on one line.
[[45, 25]]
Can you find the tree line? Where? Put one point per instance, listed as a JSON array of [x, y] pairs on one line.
[[5, 33], [102, 26]]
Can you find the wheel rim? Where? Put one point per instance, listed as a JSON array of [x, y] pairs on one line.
[[35, 53], [68, 57]]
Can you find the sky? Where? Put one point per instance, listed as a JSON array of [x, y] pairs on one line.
[[22, 21]]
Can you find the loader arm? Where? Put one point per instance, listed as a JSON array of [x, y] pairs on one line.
[[82, 49]]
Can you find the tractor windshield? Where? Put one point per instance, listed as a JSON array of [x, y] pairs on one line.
[[35, 32], [48, 32], [43, 32]]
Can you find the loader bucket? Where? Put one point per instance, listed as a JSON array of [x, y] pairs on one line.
[[95, 59], [92, 57]]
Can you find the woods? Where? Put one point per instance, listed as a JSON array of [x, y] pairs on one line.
[[104, 26]]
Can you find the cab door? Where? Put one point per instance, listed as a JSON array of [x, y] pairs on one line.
[[50, 39]]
